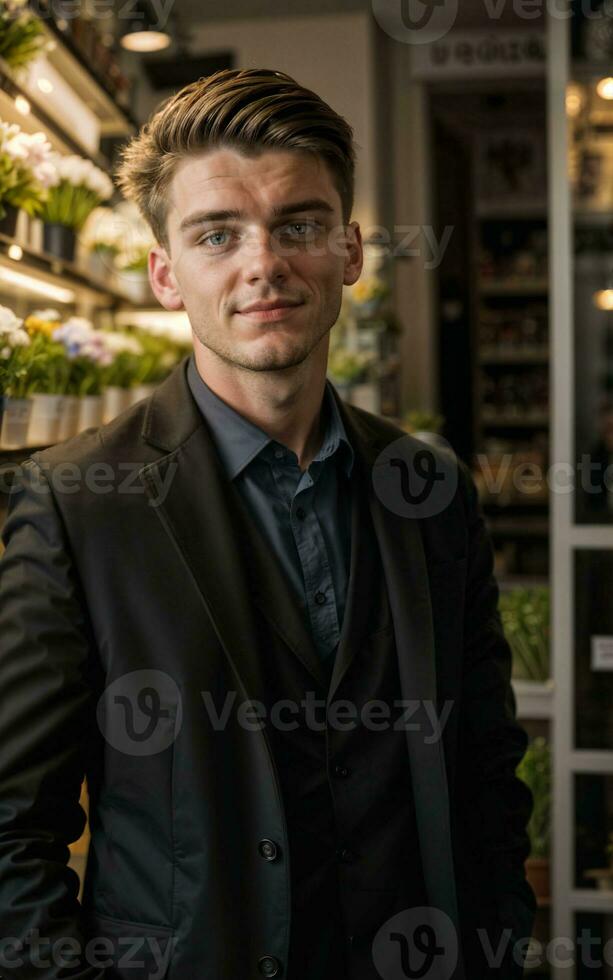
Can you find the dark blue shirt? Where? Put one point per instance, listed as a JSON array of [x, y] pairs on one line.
[[305, 516]]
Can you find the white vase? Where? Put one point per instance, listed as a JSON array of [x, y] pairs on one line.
[[114, 401], [44, 419], [141, 391], [69, 417], [133, 285], [90, 411], [15, 422]]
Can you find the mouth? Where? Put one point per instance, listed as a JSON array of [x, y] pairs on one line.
[[276, 313]]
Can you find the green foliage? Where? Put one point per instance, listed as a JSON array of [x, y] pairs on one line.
[[535, 771], [525, 615], [22, 36]]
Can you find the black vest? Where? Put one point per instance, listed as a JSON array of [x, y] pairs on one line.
[[346, 785]]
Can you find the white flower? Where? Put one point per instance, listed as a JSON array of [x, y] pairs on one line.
[[5, 353], [47, 315], [9, 323], [117, 343]]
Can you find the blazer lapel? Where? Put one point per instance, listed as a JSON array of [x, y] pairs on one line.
[[195, 513], [406, 574]]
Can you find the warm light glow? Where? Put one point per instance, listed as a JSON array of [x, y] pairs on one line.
[[605, 88], [15, 252], [36, 286], [574, 99], [22, 105], [45, 85], [145, 41], [603, 299]]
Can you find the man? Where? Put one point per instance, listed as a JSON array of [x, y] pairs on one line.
[[284, 680]]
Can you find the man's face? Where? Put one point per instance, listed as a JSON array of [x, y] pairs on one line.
[[285, 243]]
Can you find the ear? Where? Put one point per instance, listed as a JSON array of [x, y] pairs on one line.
[[355, 254], [162, 279]]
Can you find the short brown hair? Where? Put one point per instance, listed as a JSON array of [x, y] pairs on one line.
[[246, 109]]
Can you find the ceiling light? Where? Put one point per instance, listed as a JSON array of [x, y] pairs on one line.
[[145, 40], [37, 286], [605, 88], [22, 105], [45, 85], [603, 299]]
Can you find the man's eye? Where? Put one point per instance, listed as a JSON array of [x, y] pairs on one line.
[[305, 225], [208, 239]]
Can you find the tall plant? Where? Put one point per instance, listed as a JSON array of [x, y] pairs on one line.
[[525, 615], [22, 37], [78, 189], [535, 771]]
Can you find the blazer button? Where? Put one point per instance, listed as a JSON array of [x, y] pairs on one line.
[[341, 771], [268, 849], [269, 966], [345, 855]]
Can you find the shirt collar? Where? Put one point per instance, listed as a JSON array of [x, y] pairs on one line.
[[239, 441]]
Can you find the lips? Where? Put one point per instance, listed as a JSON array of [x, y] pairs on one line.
[[270, 305]]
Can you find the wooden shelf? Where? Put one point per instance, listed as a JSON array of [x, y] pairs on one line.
[[513, 287], [58, 136], [515, 421], [60, 271], [72, 65], [519, 355]]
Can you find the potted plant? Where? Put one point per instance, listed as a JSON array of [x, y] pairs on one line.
[[22, 37], [525, 615], [160, 356], [16, 406], [78, 188], [348, 368], [101, 239], [424, 425], [88, 354], [121, 373], [25, 174], [48, 371], [136, 241], [535, 771]]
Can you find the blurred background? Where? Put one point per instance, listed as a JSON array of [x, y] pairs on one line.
[[483, 319]]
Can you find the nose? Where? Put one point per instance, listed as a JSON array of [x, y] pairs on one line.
[[265, 257]]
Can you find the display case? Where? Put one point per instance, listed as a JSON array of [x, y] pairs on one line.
[[581, 247]]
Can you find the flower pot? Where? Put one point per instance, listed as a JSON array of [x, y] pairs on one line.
[[90, 411], [69, 417], [138, 392], [15, 422], [44, 419], [100, 264], [133, 285], [59, 241], [537, 873], [114, 401], [8, 224]]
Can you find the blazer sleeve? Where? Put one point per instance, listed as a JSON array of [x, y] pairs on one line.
[[46, 708], [497, 804]]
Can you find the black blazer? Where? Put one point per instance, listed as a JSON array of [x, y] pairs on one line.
[[122, 599]]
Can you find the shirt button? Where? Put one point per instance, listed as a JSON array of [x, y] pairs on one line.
[[300, 513], [341, 771], [279, 453], [269, 966], [345, 855], [268, 849], [320, 598]]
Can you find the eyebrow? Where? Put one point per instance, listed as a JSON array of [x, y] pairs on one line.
[[202, 217]]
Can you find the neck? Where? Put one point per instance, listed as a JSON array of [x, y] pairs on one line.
[[286, 405]]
